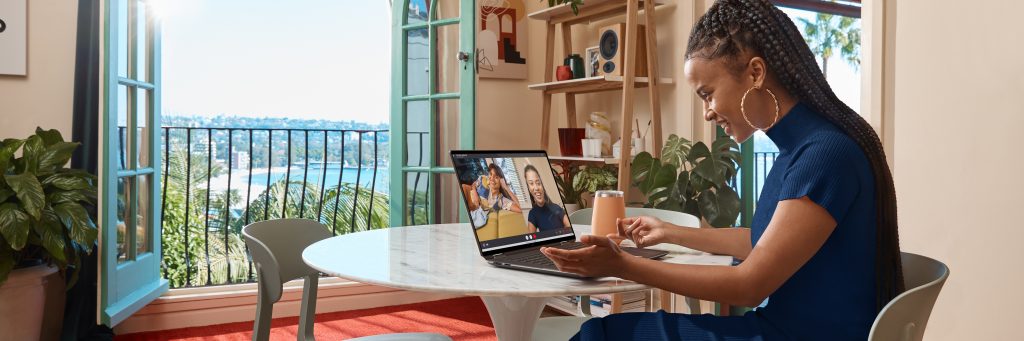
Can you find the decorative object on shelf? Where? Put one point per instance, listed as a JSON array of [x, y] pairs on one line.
[[563, 73], [692, 179], [593, 61], [612, 49], [575, 63], [14, 37], [591, 148], [574, 4], [502, 39], [44, 223], [570, 141], [600, 128]]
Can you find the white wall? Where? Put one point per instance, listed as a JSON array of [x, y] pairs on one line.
[[44, 97], [958, 116]]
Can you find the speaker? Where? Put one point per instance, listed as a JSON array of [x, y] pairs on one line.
[[612, 50]]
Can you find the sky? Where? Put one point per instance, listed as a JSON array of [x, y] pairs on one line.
[[308, 59], [305, 59]]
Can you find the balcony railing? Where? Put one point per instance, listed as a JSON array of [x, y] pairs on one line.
[[217, 180], [763, 162]]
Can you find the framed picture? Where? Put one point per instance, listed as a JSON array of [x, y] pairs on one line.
[[501, 40], [593, 61], [13, 37]]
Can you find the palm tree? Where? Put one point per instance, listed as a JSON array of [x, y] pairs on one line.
[[828, 33]]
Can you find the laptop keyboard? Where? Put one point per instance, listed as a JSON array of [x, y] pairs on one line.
[[534, 258]]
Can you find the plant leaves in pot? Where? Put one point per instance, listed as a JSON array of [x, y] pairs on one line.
[[44, 220]]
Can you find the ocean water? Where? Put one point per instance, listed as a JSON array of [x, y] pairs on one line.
[[314, 175]]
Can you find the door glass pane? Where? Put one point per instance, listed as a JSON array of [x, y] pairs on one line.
[[447, 9], [140, 47], [121, 142], [123, 220], [417, 62], [143, 221], [418, 10], [447, 63], [122, 43], [417, 199], [142, 132], [448, 130], [417, 133]]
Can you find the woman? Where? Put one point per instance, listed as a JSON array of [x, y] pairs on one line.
[[823, 244], [545, 215], [499, 196]]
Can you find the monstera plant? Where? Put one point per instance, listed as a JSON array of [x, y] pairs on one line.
[[43, 215], [691, 178]]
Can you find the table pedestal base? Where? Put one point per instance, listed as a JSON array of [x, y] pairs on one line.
[[514, 316]]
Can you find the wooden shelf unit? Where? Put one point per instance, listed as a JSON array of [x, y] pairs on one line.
[[593, 10]]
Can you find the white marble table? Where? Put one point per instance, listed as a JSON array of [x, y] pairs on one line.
[[445, 259]]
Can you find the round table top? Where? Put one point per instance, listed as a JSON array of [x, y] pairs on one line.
[[441, 258]]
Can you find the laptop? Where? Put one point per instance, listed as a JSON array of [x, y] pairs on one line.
[[515, 208]]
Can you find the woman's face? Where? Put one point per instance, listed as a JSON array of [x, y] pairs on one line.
[[535, 187], [721, 89], [494, 181]]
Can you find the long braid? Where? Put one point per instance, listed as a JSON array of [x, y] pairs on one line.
[[731, 27]]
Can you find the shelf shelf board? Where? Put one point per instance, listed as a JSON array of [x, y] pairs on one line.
[[591, 10], [605, 160], [592, 84]]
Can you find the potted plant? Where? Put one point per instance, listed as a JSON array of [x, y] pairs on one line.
[[584, 180], [574, 4], [691, 178], [44, 225]]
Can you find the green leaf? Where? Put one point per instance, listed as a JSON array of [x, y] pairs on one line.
[[51, 234], [720, 207], [659, 186], [14, 225], [5, 193], [76, 219], [62, 196], [31, 153], [29, 192], [710, 170], [56, 155], [699, 150], [675, 151], [50, 137], [7, 149], [67, 181], [642, 164]]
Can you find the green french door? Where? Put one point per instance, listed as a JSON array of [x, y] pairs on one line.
[[129, 212], [432, 106]]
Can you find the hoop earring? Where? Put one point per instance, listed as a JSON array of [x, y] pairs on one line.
[[743, 110]]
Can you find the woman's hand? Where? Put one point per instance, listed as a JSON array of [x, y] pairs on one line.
[[644, 231], [602, 258]]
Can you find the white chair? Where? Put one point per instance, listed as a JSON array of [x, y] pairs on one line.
[[564, 327], [906, 316], [276, 247]]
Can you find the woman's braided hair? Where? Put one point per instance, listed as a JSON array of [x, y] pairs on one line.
[[732, 27]]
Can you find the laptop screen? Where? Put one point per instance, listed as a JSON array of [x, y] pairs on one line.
[[512, 199]]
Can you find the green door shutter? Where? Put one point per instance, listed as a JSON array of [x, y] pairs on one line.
[[432, 106], [129, 209]]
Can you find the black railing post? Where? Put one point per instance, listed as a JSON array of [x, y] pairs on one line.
[[305, 175], [323, 182], [373, 183], [206, 214], [337, 193], [188, 195], [359, 173], [227, 208]]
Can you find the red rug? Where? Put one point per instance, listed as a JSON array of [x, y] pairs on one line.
[[460, 319]]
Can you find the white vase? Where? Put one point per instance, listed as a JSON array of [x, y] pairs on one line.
[[22, 302]]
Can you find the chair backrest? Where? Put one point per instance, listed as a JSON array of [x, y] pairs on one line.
[[276, 248], [584, 216], [906, 316]]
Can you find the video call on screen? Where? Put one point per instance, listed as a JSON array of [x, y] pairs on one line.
[[511, 199]]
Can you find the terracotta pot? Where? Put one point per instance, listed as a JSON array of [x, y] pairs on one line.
[[563, 72], [23, 300]]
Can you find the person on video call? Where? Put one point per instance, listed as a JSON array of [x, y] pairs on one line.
[[500, 196], [545, 215]]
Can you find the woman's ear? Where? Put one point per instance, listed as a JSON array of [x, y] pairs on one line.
[[758, 70]]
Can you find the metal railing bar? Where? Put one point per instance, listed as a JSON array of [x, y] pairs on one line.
[[188, 195], [287, 177], [323, 181], [373, 183], [359, 173], [209, 176], [305, 175], [227, 207]]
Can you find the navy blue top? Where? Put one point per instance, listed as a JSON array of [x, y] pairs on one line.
[[547, 217], [833, 295]]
